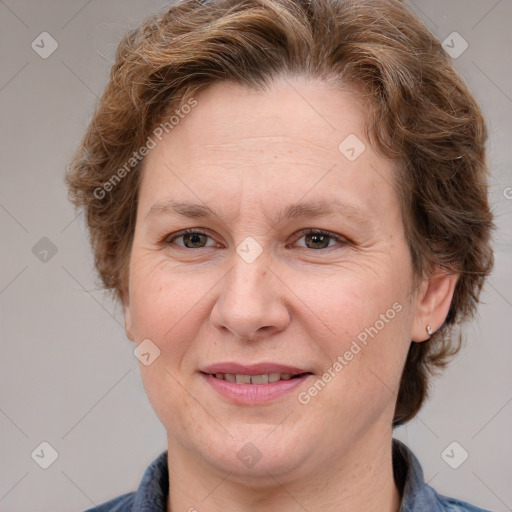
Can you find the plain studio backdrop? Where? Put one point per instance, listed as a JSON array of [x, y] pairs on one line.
[[68, 374]]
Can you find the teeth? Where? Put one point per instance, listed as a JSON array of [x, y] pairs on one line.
[[265, 378], [259, 379]]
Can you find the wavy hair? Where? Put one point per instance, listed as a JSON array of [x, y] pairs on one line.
[[420, 113]]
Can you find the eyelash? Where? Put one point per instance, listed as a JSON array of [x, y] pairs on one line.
[[311, 231]]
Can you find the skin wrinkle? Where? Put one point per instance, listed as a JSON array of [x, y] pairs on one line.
[[367, 245], [305, 209], [275, 139]]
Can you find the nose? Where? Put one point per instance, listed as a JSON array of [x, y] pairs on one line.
[[252, 301]]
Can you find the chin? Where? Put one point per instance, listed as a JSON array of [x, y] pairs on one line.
[[255, 457]]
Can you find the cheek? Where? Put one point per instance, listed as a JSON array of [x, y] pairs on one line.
[[366, 314], [162, 301], [163, 307], [360, 382], [354, 299]]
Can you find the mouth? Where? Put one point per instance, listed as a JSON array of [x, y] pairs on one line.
[[253, 384], [257, 380]]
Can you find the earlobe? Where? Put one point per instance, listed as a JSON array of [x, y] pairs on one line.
[[433, 301]]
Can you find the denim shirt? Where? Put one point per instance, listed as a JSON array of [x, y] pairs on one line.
[[417, 496]]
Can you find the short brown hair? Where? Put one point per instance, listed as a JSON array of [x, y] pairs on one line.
[[420, 113]]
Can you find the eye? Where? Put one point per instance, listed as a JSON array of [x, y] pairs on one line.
[[320, 239], [191, 239], [198, 239]]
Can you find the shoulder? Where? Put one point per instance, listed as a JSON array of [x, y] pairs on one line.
[[418, 496], [453, 505], [151, 495], [427, 498], [122, 503]]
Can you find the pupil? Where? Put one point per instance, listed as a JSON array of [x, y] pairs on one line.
[[193, 238], [319, 239]]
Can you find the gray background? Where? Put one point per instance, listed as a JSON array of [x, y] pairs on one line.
[[68, 374]]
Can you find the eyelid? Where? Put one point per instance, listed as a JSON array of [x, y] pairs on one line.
[[167, 238], [317, 231], [303, 232]]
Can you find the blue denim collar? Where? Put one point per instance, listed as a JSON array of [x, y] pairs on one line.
[[417, 496]]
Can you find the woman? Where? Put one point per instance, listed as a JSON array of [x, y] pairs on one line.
[[289, 199]]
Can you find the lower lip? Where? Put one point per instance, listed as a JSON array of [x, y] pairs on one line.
[[254, 393]]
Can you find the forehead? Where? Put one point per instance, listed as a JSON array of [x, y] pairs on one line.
[[296, 139], [230, 116]]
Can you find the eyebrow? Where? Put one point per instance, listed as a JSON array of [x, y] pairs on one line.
[[307, 209]]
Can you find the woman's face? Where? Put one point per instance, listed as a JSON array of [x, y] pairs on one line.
[[253, 291]]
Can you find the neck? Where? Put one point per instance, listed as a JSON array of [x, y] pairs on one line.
[[358, 480]]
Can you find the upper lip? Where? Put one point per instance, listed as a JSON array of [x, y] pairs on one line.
[[253, 369]]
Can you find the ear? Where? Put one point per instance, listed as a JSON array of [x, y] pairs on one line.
[[128, 322], [433, 299], [124, 296]]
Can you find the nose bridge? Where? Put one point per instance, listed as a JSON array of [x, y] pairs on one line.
[[249, 265], [249, 302], [248, 280]]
